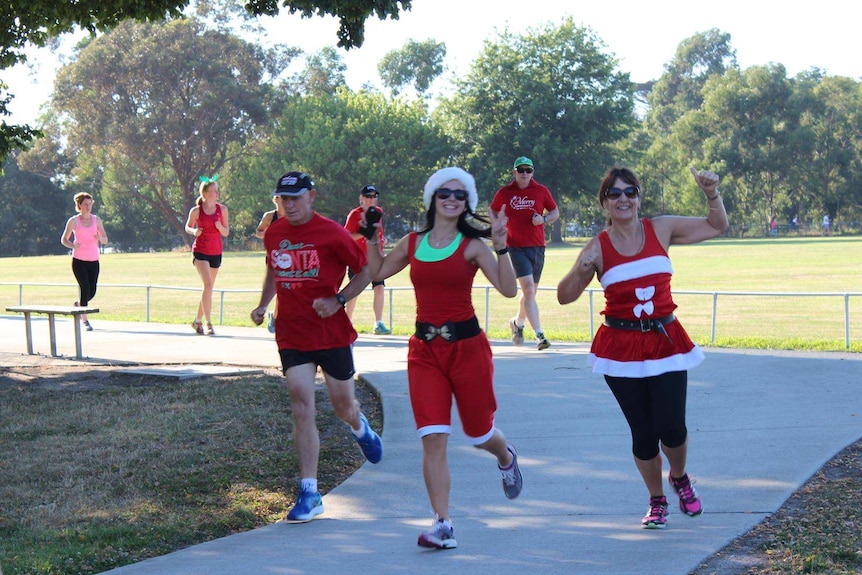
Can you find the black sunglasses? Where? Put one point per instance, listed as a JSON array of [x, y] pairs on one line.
[[524, 169], [370, 195], [630, 192], [444, 193]]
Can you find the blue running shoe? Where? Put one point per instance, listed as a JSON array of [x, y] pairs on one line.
[[370, 443], [381, 329], [309, 504], [271, 325]]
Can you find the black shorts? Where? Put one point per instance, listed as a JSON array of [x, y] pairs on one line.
[[350, 275], [336, 362], [528, 261], [215, 261]]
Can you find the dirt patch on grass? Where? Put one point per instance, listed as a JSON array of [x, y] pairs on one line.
[[72, 378]]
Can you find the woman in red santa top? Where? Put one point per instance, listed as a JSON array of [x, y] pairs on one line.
[[641, 348]]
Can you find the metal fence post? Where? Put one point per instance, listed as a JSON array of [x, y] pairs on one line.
[[714, 310]]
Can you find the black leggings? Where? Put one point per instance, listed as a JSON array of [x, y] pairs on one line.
[[655, 410], [87, 274]]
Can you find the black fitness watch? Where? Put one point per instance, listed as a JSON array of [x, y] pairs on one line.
[[341, 299]]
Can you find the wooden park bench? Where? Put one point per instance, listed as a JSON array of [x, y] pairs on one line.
[[51, 311]]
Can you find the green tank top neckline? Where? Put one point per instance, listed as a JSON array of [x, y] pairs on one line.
[[426, 253]]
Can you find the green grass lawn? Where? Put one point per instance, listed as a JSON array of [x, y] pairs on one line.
[[814, 266]]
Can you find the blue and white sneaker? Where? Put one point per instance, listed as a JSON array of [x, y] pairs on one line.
[[370, 443], [309, 504], [271, 325], [513, 482]]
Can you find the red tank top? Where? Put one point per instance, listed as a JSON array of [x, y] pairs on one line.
[[209, 242], [636, 287], [443, 289]]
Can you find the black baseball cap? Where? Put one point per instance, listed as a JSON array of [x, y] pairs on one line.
[[369, 190], [293, 184]]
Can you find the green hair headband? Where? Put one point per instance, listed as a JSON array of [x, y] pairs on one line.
[[207, 180]]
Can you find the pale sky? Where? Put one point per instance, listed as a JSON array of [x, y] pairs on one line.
[[643, 36]]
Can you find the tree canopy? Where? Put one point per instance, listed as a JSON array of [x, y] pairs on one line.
[[344, 141], [34, 22], [417, 64], [551, 94], [152, 107]]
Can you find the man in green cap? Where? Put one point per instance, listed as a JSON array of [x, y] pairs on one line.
[[529, 207]]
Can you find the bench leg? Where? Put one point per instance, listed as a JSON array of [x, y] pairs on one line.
[[52, 332], [77, 322], [29, 330]]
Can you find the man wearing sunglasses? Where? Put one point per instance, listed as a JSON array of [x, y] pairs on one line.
[[529, 207], [368, 196], [306, 257]]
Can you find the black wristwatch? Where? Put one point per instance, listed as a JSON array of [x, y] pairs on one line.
[[341, 299]]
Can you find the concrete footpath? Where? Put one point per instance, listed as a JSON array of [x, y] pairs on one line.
[[760, 424]]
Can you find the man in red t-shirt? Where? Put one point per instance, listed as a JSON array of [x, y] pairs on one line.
[[529, 207], [306, 257], [367, 198]]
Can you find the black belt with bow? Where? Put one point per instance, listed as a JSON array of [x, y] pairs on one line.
[[450, 331], [642, 325]]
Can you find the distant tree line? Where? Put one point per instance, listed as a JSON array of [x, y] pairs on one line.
[[146, 108]]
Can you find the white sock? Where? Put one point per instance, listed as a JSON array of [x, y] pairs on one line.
[[308, 484], [358, 433]]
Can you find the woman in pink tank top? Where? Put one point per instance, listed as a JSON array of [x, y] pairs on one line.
[[83, 235], [208, 223]]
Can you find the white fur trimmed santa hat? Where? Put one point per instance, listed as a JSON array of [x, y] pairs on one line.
[[442, 176]]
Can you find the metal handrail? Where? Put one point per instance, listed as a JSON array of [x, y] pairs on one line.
[[488, 289]]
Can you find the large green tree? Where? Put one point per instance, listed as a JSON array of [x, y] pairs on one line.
[[152, 107], [323, 73], [417, 64], [829, 180], [35, 214], [664, 161], [35, 22], [552, 94], [680, 87], [746, 131], [344, 141]]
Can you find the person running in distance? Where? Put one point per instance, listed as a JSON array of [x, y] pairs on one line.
[[306, 259], [83, 234], [529, 207], [368, 196], [641, 348], [265, 221], [208, 223], [449, 354]]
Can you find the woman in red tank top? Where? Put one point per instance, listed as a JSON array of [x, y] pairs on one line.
[[449, 355], [641, 348], [208, 223]]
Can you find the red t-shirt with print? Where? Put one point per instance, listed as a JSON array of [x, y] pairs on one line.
[[309, 262], [519, 206]]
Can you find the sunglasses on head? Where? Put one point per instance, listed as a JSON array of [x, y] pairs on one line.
[[524, 170], [630, 192], [444, 193]]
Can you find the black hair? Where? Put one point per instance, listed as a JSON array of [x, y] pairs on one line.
[[466, 229]]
